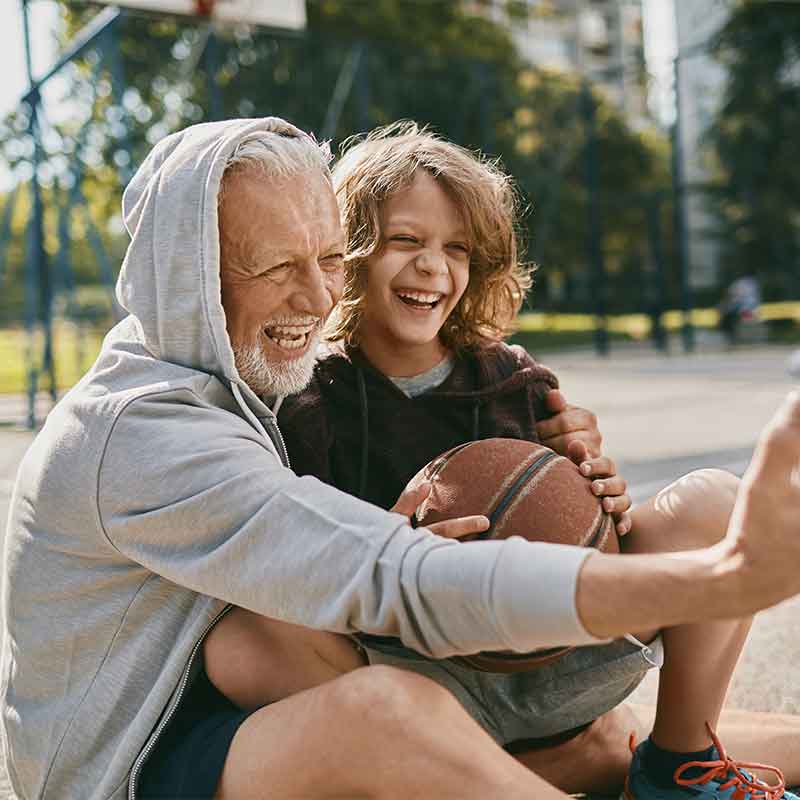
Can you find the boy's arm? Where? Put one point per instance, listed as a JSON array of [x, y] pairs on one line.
[[559, 423]]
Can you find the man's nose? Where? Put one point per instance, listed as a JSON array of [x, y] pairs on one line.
[[314, 295], [431, 262]]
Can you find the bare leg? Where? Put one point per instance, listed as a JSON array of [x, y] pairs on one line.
[[699, 659], [595, 761], [376, 733], [748, 736], [254, 660]]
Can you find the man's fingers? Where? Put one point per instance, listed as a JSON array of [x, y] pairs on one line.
[[614, 486], [601, 467], [555, 401], [624, 523], [409, 501], [571, 420], [462, 526], [561, 444], [577, 451], [616, 505]]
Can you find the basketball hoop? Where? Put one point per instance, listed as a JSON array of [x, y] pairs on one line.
[[204, 8], [282, 15]]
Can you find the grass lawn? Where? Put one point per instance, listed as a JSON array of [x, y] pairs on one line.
[[76, 348], [74, 353]]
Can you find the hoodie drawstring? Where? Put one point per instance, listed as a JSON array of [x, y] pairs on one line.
[[362, 396]]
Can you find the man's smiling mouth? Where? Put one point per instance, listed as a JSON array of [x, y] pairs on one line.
[[423, 300], [290, 336]]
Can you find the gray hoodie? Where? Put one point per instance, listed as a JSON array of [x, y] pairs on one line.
[[158, 493]]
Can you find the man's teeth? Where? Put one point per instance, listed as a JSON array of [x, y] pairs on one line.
[[290, 337], [421, 297]]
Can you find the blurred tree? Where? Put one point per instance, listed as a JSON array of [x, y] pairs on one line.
[[754, 137], [359, 64]]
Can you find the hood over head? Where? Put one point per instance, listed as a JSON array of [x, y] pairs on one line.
[[170, 278]]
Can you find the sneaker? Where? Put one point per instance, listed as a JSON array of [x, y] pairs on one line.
[[723, 778]]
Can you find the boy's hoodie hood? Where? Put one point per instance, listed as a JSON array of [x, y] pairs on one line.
[[173, 291]]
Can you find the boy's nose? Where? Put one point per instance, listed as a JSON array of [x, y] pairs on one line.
[[431, 263]]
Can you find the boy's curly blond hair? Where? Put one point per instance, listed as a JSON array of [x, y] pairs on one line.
[[376, 166]]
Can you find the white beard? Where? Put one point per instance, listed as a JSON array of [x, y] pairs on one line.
[[277, 378]]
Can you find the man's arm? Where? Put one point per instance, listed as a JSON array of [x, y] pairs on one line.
[[756, 566]]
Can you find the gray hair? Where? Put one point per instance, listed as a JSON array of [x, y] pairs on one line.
[[273, 154]]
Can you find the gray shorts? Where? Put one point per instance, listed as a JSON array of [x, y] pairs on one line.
[[551, 699]]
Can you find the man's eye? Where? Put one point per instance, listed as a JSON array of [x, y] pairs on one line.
[[333, 261], [277, 271]]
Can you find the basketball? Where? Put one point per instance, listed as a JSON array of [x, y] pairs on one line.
[[525, 489]]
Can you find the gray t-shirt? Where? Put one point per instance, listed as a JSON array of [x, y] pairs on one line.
[[419, 384]]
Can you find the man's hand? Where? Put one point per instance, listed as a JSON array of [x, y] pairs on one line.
[[613, 488], [411, 499], [568, 424]]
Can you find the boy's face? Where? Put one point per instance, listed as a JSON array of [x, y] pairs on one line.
[[416, 278]]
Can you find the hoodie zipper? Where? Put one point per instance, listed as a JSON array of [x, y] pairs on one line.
[[284, 452], [178, 696], [176, 700]]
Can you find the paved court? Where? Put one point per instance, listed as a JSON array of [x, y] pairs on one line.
[[661, 417]]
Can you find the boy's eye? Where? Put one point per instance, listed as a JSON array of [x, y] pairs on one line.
[[460, 246]]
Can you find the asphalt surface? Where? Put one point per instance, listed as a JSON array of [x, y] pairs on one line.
[[661, 417]]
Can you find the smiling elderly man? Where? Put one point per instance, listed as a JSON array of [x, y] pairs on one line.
[[158, 493]]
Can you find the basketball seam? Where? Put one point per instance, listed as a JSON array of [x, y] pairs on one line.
[[497, 514]]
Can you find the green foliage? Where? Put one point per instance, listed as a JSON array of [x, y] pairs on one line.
[[754, 137], [435, 62]]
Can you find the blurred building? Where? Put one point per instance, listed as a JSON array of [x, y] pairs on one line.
[[601, 39], [700, 89]]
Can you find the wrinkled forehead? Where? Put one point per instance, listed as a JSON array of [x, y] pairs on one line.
[[262, 213]]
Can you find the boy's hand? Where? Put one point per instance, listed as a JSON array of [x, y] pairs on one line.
[[568, 424], [602, 472], [411, 499]]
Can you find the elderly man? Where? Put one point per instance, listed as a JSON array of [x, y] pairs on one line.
[[159, 492]]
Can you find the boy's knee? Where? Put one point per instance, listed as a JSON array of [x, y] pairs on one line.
[[710, 489], [701, 503]]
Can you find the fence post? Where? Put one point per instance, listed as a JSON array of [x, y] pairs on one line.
[[595, 223], [679, 218]]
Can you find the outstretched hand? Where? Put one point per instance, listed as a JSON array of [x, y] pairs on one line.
[[612, 488], [411, 499]]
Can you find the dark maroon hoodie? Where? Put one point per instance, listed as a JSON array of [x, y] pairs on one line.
[[353, 428]]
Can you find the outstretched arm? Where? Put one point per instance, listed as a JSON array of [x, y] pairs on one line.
[[752, 568]]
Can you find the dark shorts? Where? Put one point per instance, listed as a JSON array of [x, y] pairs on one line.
[[187, 762]]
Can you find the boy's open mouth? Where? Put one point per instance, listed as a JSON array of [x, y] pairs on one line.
[[427, 300]]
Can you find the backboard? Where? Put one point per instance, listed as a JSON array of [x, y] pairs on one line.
[[283, 14]]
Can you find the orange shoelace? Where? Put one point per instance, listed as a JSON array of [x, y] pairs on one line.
[[727, 767]]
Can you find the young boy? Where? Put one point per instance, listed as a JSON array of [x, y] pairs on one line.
[[418, 365]]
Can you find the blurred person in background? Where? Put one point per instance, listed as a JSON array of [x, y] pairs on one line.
[[739, 306]]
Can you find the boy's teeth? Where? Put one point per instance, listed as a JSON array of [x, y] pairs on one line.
[[421, 297]]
